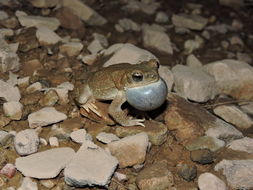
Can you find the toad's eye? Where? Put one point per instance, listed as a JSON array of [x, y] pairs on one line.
[[137, 77]]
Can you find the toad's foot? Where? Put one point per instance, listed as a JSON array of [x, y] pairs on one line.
[[133, 122], [90, 106]]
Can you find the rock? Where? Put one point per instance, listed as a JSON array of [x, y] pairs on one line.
[[205, 142], [82, 171], [4, 137], [8, 170], [208, 181], [219, 28], [193, 61], [188, 121], [49, 99], [239, 173], [47, 183], [46, 164], [233, 78], [37, 86], [130, 150], [7, 32], [193, 83], [28, 184], [244, 57], [4, 121], [3, 15], [53, 141], [193, 22], [26, 142], [245, 145], [148, 7], [155, 177], [71, 48], [79, 136], [47, 36], [44, 117], [167, 76], [161, 17], [13, 110], [156, 39], [232, 3], [9, 60], [95, 46], [44, 3], [204, 156], [39, 21], [107, 137], [128, 25], [247, 108], [232, 114], [31, 67], [193, 44], [156, 131], [187, 172], [126, 53], [62, 92], [84, 12], [120, 176], [10, 23]]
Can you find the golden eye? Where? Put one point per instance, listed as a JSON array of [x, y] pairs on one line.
[[137, 77]]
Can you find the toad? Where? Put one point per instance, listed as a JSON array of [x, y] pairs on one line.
[[140, 85]]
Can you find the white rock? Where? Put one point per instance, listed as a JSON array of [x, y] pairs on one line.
[[9, 60], [6, 32], [53, 141], [239, 173], [219, 28], [44, 3], [193, 61], [78, 136], [95, 46], [90, 167], [62, 91], [208, 181], [107, 137], [71, 48], [245, 145], [13, 110], [232, 77], [39, 21], [126, 53], [232, 114], [84, 12], [46, 164], [194, 22], [28, 184], [167, 76], [3, 15], [9, 92], [47, 36], [45, 116], [23, 81], [26, 142], [13, 79], [161, 17], [101, 38], [129, 25], [193, 44], [193, 83], [120, 176], [130, 150], [157, 39], [37, 86]]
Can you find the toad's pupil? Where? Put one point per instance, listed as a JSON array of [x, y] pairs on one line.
[[137, 77]]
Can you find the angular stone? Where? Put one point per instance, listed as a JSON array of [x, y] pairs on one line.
[[239, 173], [208, 181], [47, 36], [194, 22], [49, 99], [232, 114], [193, 61], [155, 177], [90, 166], [78, 136], [71, 48], [45, 116], [187, 172], [193, 83], [13, 110], [204, 156], [46, 164], [245, 145], [34, 87], [130, 150], [107, 137], [129, 25]]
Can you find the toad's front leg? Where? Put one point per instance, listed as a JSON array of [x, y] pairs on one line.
[[119, 115]]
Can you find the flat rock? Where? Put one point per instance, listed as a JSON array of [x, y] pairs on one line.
[[156, 39], [45, 116], [130, 150], [234, 115], [13, 110], [156, 131], [193, 83], [107, 137], [90, 166], [71, 48], [47, 36], [84, 12], [239, 173], [245, 145], [78, 136], [26, 142], [188, 121], [46, 164], [155, 177], [208, 181], [126, 53], [9, 60], [194, 22], [38, 21], [9, 92], [234, 78]]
